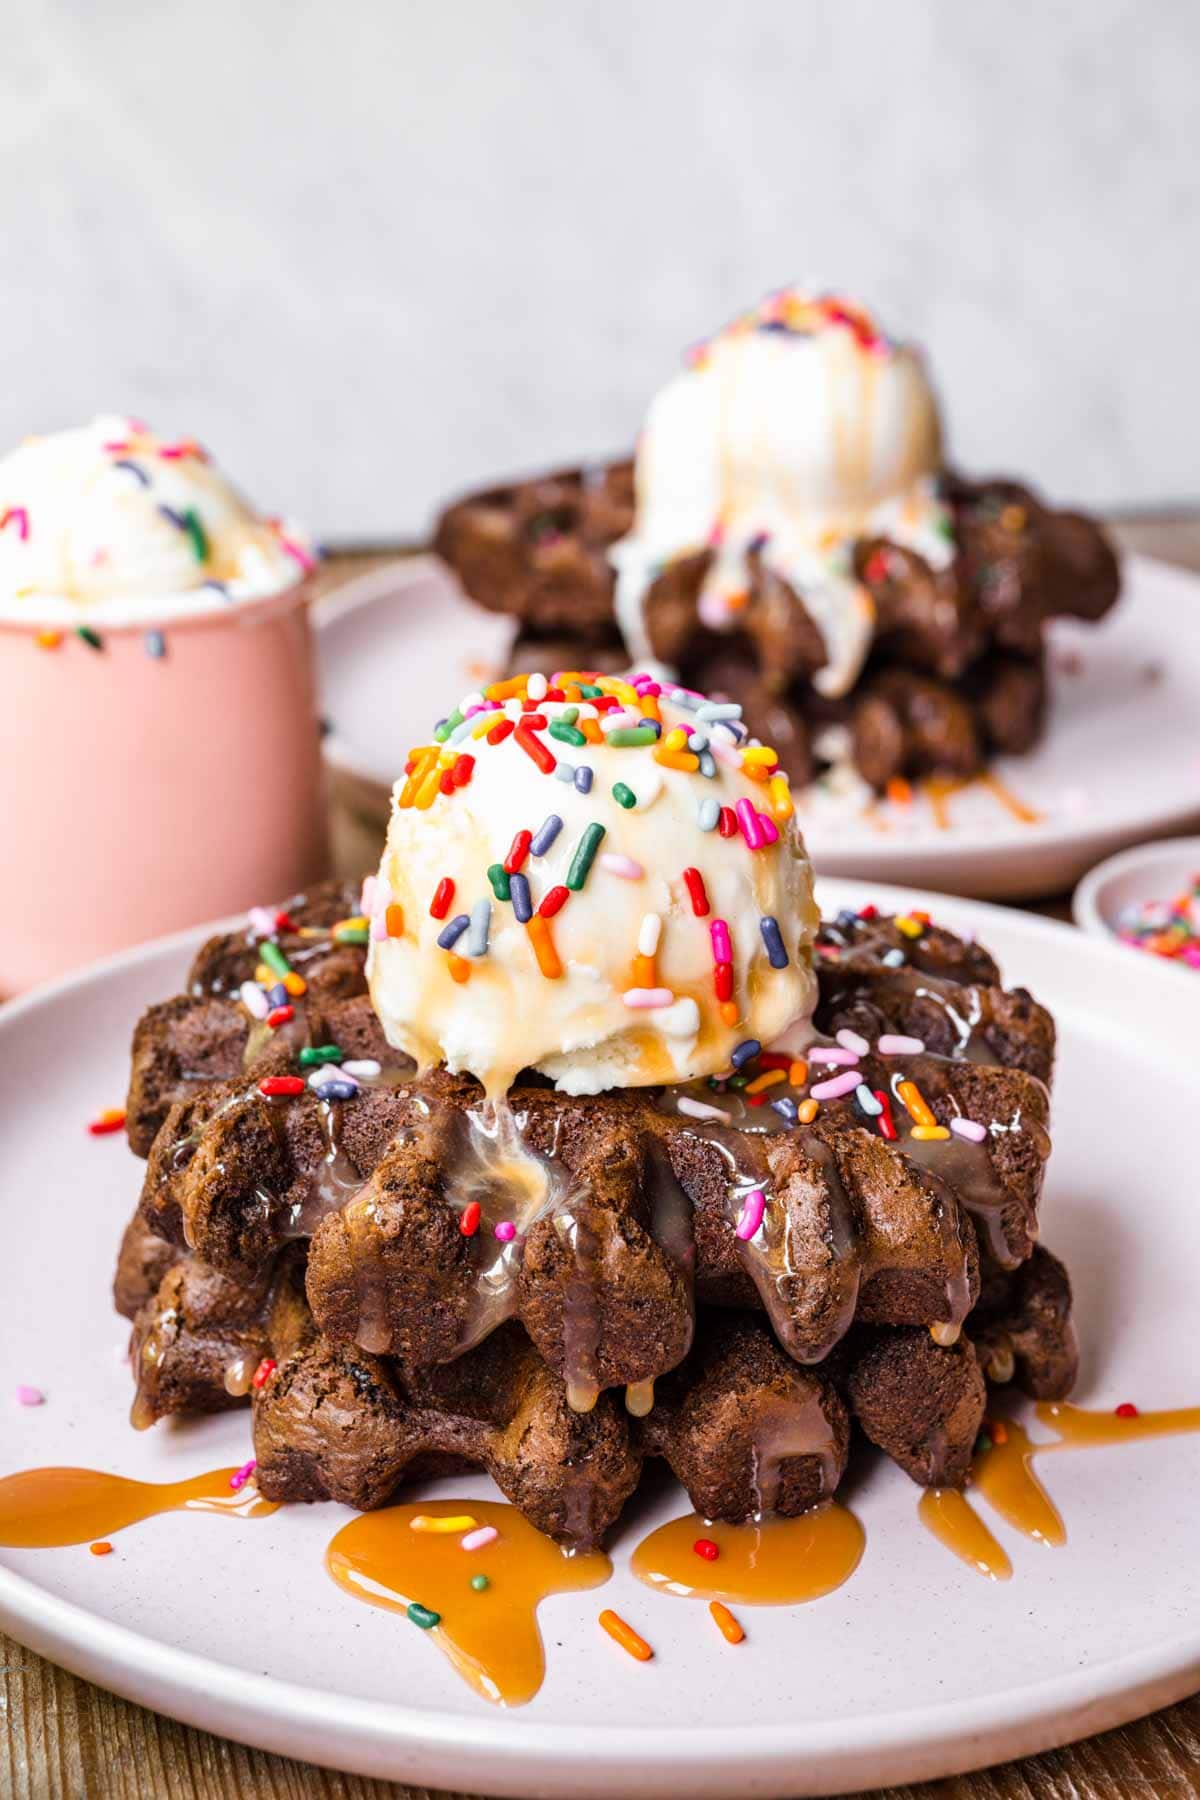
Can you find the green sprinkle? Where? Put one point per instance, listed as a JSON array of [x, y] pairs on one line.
[[584, 857], [624, 796], [498, 876], [566, 734], [628, 737], [90, 637], [448, 725], [982, 1442], [351, 934], [479, 1583], [569, 714], [195, 530], [590, 692], [739, 1081], [274, 958], [319, 1053], [423, 1616]]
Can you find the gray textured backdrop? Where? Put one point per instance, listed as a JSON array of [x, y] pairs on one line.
[[372, 252]]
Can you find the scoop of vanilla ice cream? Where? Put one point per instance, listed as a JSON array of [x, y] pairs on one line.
[[614, 981], [110, 524], [797, 430]]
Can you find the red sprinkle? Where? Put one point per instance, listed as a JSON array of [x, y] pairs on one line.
[[727, 822], [280, 1015], [443, 894], [109, 1121], [868, 912], [264, 1372], [693, 880], [707, 1549], [605, 702], [463, 770], [723, 981], [468, 1222], [554, 902], [533, 747], [1127, 1410], [284, 921], [757, 1099], [769, 1059], [887, 1125], [518, 851], [446, 781], [533, 720], [499, 732], [273, 1086]]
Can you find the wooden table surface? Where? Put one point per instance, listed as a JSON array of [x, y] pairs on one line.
[[60, 1736]]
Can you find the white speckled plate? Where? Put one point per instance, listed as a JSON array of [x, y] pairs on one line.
[[916, 1668], [1119, 763]]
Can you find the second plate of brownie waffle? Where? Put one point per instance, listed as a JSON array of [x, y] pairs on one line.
[[298, 1270], [1030, 826]]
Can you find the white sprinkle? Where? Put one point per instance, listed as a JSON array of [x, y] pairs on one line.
[[647, 999], [649, 933], [891, 1044], [536, 687], [254, 1000], [968, 1128], [624, 866], [867, 1100], [698, 1109], [365, 1069], [475, 1540], [850, 1040], [713, 709]]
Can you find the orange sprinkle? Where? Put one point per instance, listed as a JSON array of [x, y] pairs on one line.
[[798, 1073], [899, 791], [543, 947], [914, 1100], [997, 1430], [729, 1012], [625, 1635], [756, 772], [781, 797], [103, 1548], [506, 690], [295, 984], [650, 709], [645, 971], [394, 918], [423, 761], [48, 640], [591, 730], [735, 602], [807, 1111], [770, 1079], [687, 760], [460, 968], [726, 1624]]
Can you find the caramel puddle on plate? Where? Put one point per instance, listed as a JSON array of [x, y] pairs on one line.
[[766, 1562], [43, 1509], [491, 1638], [1004, 1477]]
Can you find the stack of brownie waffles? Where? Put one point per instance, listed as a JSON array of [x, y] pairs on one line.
[[789, 537], [579, 1140]]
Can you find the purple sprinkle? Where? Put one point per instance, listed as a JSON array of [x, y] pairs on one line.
[[745, 1052], [583, 779], [450, 934], [134, 469], [545, 835], [772, 937], [173, 518], [522, 904]]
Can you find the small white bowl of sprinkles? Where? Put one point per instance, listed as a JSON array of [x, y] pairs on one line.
[[1148, 898]]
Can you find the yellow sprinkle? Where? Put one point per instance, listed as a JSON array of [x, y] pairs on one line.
[[909, 927], [928, 1134], [357, 923], [781, 797], [675, 739], [914, 1100], [771, 1079], [621, 690], [484, 723], [427, 793], [807, 1111], [726, 1624], [265, 977], [760, 753], [433, 1522], [423, 760], [798, 1073]]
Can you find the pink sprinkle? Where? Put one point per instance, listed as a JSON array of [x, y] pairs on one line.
[[379, 926], [262, 920], [850, 1040], [722, 948], [241, 1476], [751, 1215], [768, 828], [726, 753], [748, 820], [892, 1045], [506, 1231], [833, 1055], [624, 866], [18, 516], [645, 999], [968, 1128], [475, 1540], [367, 902], [307, 561], [30, 1396], [839, 1086]]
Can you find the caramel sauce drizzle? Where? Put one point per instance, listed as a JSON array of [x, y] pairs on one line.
[[939, 790], [491, 1637], [766, 1562], [43, 1509], [1004, 1477]]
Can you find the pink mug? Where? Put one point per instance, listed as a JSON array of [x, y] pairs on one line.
[[154, 779]]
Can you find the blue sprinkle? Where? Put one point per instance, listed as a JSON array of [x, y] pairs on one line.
[[708, 812], [481, 919], [565, 771], [719, 709], [545, 835], [847, 920], [173, 518], [787, 1109], [134, 469], [156, 644], [698, 741], [894, 959], [462, 730], [772, 937], [687, 702], [745, 1052], [867, 1100], [707, 765], [583, 779], [218, 587], [278, 995], [450, 934], [522, 905], [338, 1089]]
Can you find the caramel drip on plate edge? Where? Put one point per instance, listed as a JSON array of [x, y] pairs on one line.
[[489, 1632]]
